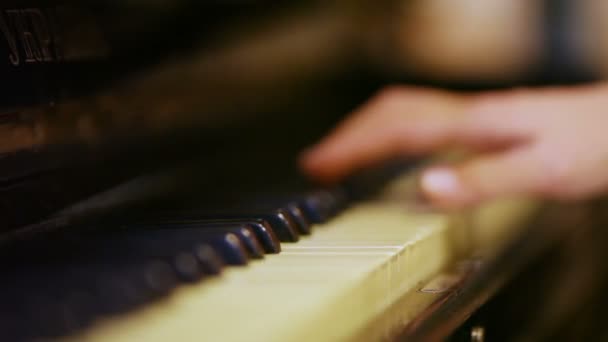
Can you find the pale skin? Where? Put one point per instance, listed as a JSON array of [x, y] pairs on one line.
[[550, 143]]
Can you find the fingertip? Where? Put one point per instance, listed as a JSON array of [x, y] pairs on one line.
[[444, 188], [309, 160], [314, 163], [440, 180]]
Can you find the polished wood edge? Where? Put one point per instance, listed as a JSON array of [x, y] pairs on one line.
[[481, 280]]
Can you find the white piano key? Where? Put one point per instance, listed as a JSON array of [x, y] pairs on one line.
[[324, 280], [330, 286]]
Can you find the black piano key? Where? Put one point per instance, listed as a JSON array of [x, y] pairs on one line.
[[230, 247], [187, 265], [174, 243], [159, 276], [119, 290], [196, 231], [118, 271], [303, 209], [270, 204], [125, 288], [247, 237], [55, 298], [180, 255], [142, 278], [262, 230], [227, 244], [291, 208], [211, 262], [264, 235], [190, 256], [315, 210], [206, 246], [319, 206], [300, 218], [191, 259], [280, 221]]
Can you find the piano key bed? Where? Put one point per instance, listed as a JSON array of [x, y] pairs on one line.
[[306, 267]]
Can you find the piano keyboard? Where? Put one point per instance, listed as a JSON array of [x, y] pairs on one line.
[[161, 281]]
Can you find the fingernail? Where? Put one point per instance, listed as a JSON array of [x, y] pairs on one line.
[[441, 182]]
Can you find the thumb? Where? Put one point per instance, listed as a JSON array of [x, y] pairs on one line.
[[482, 178]]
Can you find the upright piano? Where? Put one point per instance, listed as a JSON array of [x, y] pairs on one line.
[[149, 191]]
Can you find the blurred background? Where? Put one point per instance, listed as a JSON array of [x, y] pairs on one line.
[[499, 41]]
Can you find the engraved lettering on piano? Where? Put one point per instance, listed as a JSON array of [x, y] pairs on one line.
[[42, 32], [11, 39], [29, 35], [32, 53]]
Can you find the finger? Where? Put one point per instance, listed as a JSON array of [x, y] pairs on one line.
[[387, 127], [511, 172]]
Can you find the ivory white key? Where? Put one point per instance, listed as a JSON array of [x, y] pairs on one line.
[[327, 287]]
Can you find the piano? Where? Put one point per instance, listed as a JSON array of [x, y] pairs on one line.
[[149, 192]]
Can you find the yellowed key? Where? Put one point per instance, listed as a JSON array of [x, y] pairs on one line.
[[327, 287], [321, 288]]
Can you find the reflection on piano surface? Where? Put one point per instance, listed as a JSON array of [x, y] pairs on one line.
[[147, 182]]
